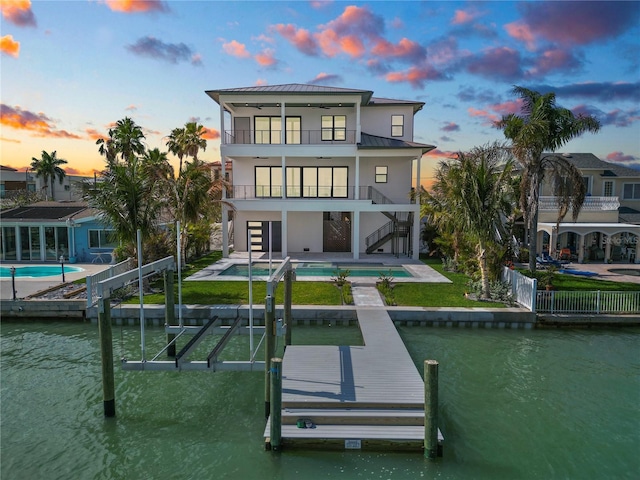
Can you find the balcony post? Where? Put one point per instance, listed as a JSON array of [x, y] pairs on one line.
[[356, 234], [581, 249], [356, 194], [223, 139], [358, 129]]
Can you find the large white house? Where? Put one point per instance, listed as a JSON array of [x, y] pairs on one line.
[[324, 169], [608, 227]]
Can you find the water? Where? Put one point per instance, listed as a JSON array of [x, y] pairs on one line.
[[534, 404], [319, 269], [37, 271]]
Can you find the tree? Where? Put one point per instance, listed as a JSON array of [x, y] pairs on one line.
[[125, 141], [543, 126], [471, 198], [48, 167], [187, 141]]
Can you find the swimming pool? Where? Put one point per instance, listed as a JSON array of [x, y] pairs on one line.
[[38, 271], [320, 269]]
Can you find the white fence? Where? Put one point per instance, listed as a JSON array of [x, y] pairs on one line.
[[524, 292], [523, 288], [92, 280], [593, 302]]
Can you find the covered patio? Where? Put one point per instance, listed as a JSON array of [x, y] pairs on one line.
[[597, 242]]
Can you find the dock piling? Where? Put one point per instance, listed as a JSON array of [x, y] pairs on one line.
[[106, 353], [430, 408], [276, 404], [288, 277]]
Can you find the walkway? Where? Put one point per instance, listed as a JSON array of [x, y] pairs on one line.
[[372, 394]]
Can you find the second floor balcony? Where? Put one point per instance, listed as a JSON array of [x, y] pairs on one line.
[[336, 192], [335, 136], [591, 204]]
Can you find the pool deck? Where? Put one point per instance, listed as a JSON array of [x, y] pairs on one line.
[[420, 272]]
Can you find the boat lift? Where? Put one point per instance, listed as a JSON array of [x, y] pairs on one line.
[[181, 362]]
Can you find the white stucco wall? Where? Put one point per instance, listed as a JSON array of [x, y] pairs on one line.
[[377, 120], [305, 231]]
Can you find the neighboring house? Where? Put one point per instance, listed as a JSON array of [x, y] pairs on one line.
[[329, 169], [44, 231], [608, 227], [13, 181]]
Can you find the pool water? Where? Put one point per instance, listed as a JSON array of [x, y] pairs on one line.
[[38, 271], [626, 271], [321, 269]]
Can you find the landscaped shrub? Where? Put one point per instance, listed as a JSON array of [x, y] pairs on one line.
[[385, 287], [498, 291]]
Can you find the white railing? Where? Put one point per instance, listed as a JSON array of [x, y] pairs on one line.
[[591, 204], [93, 280], [594, 302], [523, 288]]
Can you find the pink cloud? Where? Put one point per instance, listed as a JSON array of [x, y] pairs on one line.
[[261, 81], [137, 6], [508, 107], [265, 58], [37, 123], [18, 12], [462, 17], [236, 49], [553, 60], [522, 32], [299, 38], [211, 134], [405, 48], [415, 76], [9, 46], [619, 157], [489, 118]]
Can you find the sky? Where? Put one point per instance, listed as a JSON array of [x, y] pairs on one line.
[[71, 69]]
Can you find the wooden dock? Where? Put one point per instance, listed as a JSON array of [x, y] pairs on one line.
[[360, 397]]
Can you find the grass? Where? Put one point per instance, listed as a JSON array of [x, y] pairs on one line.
[[438, 294], [568, 282]]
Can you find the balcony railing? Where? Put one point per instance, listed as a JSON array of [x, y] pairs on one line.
[[250, 192], [334, 136], [591, 204]]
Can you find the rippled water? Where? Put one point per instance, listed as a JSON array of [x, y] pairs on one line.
[[527, 404]]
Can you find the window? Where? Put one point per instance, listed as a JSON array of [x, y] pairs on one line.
[[381, 174], [397, 125], [607, 189], [334, 127], [631, 191], [102, 239], [2, 190], [268, 130], [268, 181], [587, 184]]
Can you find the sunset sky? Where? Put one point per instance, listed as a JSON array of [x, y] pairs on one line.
[[70, 69]]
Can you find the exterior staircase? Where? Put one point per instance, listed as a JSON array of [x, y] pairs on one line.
[[399, 227]]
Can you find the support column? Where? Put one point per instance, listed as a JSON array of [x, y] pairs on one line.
[[225, 232], [169, 310], [607, 249], [288, 293], [269, 342], [415, 236], [637, 254], [283, 234], [106, 353], [356, 235], [581, 249], [356, 194], [18, 243]]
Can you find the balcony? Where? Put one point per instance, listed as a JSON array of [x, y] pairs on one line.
[[591, 204], [334, 136], [251, 192]]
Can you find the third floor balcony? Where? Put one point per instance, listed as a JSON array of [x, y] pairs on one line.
[[591, 204], [335, 136]]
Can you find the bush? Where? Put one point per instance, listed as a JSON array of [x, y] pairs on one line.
[[340, 277], [498, 291]]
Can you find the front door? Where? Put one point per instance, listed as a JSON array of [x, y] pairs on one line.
[[336, 229], [259, 236]]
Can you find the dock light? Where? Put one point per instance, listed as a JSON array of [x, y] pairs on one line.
[[62, 264], [13, 280]]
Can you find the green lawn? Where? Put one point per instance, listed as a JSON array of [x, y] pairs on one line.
[[438, 294], [566, 282]]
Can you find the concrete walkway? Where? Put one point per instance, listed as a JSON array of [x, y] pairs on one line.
[[366, 296]]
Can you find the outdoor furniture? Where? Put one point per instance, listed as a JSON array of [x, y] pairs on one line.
[[99, 256]]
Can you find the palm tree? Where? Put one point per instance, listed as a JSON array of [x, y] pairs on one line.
[[472, 198], [542, 126], [125, 140], [48, 167], [187, 141]]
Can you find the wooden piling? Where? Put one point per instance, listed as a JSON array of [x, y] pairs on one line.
[[275, 432], [430, 408], [269, 348], [169, 310], [106, 352], [288, 286]]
